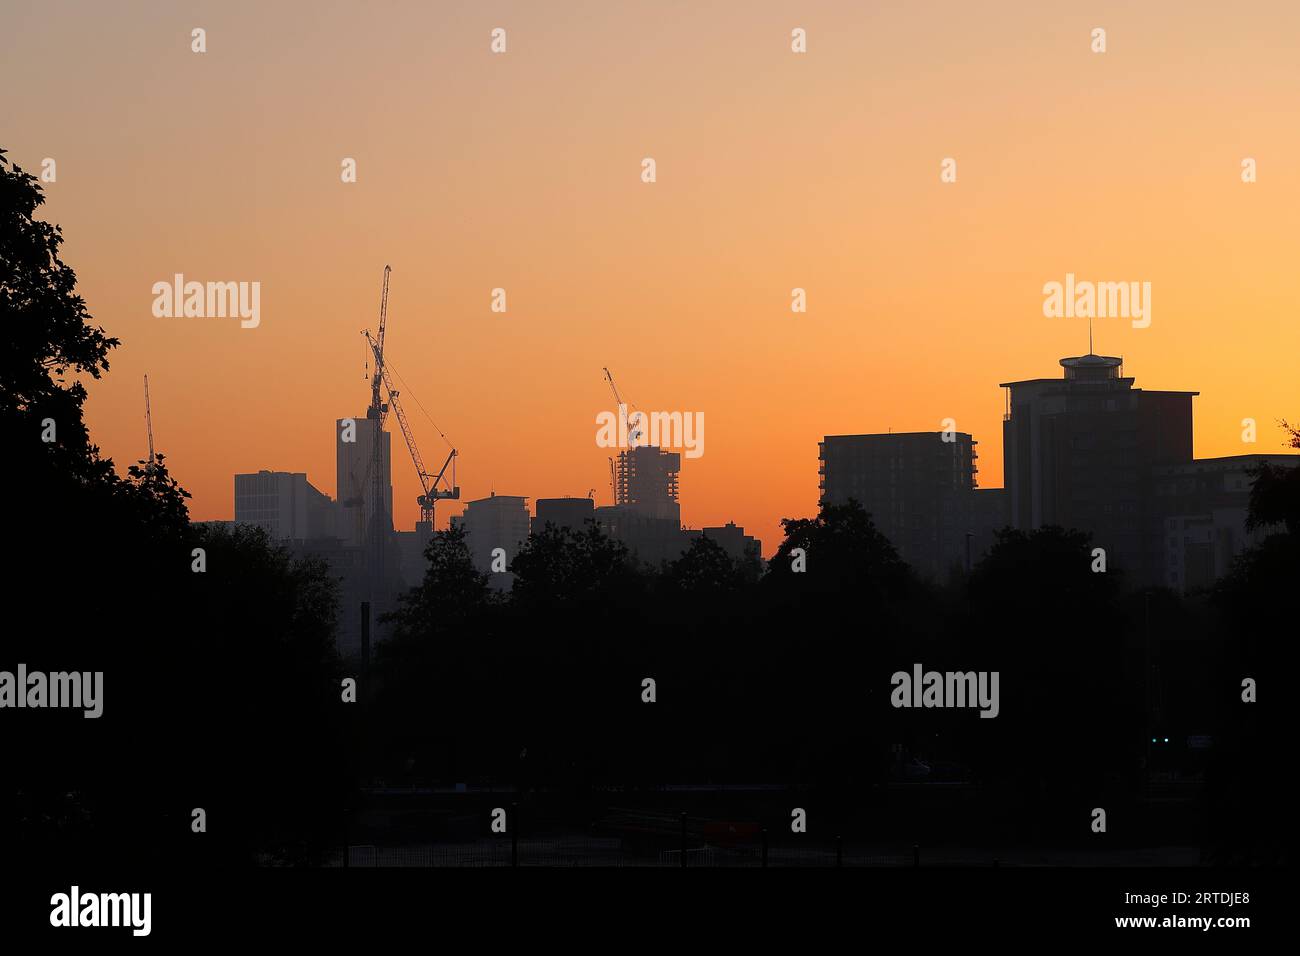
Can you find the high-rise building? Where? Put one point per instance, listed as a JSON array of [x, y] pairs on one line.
[[284, 504], [1079, 452], [916, 486], [646, 483], [354, 467], [498, 521]]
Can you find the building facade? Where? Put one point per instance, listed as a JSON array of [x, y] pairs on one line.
[[497, 521], [564, 513], [917, 486], [1080, 452], [284, 504], [1203, 505], [354, 467], [646, 483], [733, 540]]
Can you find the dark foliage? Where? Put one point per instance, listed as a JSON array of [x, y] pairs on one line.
[[220, 688]]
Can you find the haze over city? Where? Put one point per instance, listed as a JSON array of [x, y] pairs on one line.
[[774, 172]]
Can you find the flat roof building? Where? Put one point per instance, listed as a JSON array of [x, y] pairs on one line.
[[1204, 504], [284, 504], [917, 487], [491, 523], [1078, 452], [571, 513]]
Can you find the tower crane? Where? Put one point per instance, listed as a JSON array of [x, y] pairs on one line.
[[632, 436], [378, 410], [433, 487], [431, 492], [633, 439]]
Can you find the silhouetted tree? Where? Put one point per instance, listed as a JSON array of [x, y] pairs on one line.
[[843, 551], [439, 660], [451, 592], [1275, 493], [1051, 626], [102, 581], [46, 333], [1256, 618], [704, 571], [562, 567], [1028, 573], [272, 771]]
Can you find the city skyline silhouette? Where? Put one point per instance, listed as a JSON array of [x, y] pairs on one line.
[[859, 440], [521, 171]]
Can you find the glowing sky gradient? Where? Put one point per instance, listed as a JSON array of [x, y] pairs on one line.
[[775, 170]]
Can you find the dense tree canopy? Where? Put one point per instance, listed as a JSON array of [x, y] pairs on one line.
[[220, 687]]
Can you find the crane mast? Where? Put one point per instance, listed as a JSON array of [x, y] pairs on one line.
[[378, 409], [148, 424], [376, 413]]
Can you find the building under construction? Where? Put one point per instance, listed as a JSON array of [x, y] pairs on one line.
[[646, 516], [645, 483]]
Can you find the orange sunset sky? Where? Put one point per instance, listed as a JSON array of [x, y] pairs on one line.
[[775, 170]]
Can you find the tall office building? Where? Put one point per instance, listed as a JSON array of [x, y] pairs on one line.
[[353, 469], [284, 504], [1079, 452], [917, 487]]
